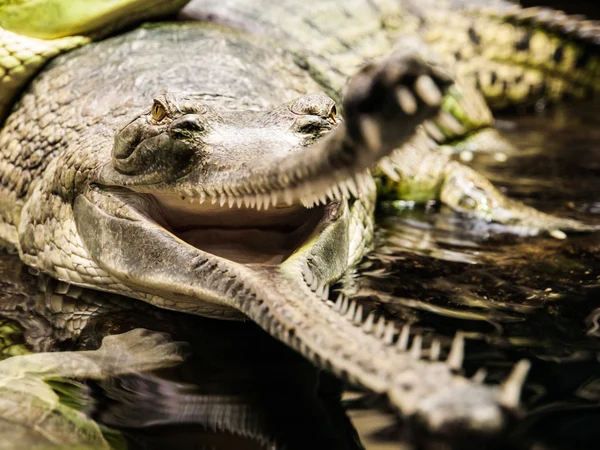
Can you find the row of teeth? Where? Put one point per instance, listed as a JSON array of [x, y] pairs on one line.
[[353, 312], [355, 186], [510, 392]]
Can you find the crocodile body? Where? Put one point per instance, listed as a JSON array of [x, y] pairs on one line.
[[229, 387], [148, 180]]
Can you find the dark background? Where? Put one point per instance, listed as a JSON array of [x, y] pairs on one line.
[[590, 8]]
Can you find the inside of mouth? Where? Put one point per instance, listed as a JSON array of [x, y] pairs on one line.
[[240, 234]]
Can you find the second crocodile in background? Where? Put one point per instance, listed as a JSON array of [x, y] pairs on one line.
[[197, 168]]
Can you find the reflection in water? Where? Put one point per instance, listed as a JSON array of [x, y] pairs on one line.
[[512, 297], [237, 388]]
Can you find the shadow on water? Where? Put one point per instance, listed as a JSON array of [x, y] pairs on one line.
[[512, 297]]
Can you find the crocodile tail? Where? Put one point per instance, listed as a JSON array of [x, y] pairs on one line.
[[21, 58], [520, 55]]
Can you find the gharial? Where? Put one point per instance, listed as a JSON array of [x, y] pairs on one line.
[[201, 167]]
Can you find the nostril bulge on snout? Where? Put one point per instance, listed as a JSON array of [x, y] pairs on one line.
[[189, 123]]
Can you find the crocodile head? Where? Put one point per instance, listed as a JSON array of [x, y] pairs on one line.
[[190, 189]]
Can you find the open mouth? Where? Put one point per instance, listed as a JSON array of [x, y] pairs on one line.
[[239, 233]]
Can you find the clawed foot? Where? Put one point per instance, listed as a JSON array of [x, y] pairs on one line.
[[140, 350], [385, 102]]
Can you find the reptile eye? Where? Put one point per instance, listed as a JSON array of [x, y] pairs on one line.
[[333, 113], [158, 111]]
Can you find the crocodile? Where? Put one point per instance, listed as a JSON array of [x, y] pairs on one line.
[[35, 410], [93, 356], [239, 193]]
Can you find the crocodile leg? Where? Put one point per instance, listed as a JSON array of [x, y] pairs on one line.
[[419, 172], [136, 350]]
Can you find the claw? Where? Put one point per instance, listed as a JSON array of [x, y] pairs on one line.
[[370, 132], [406, 100], [428, 91]]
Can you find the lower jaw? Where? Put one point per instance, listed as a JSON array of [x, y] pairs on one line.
[[242, 235], [128, 239]]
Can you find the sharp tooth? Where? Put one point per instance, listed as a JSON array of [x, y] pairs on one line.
[[433, 131], [360, 184], [239, 201], [338, 303], [345, 305], [230, 201], [308, 276], [288, 196], [434, 351], [267, 201], [252, 201], [259, 202], [387, 168], [315, 284], [337, 192], [213, 199], [415, 349], [406, 100], [351, 311], [329, 193], [274, 198], [388, 336], [428, 91], [380, 328], [457, 352], [448, 122], [351, 184], [510, 392], [283, 179], [358, 317], [202, 197], [479, 376], [402, 343], [368, 325], [325, 294]]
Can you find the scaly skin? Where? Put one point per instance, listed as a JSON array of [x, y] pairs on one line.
[[33, 32], [113, 212], [246, 397], [497, 53], [33, 415], [95, 232]]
